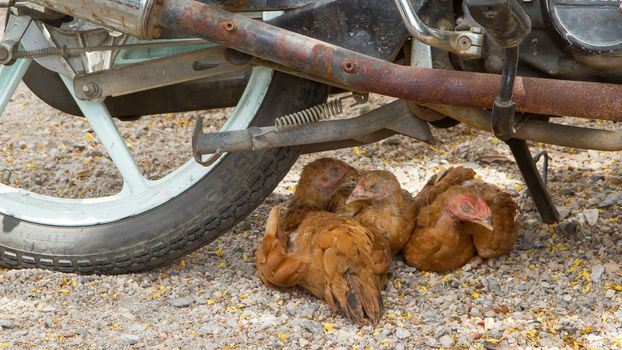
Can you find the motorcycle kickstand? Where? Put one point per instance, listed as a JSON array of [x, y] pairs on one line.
[[507, 24], [535, 184], [503, 114]]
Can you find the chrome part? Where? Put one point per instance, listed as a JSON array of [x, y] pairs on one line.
[[170, 70], [128, 16], [329, 109], [468, 44]]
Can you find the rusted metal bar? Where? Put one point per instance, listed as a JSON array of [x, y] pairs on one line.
[[539, 131], [261, 5], [363, 73]]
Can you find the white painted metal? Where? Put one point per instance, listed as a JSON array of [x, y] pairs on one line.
[[108, 134], [139, 195], [10, 76]]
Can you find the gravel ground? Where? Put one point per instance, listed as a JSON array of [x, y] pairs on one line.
[[560, 287]]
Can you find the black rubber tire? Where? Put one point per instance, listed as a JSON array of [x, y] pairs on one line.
[[226, 195]]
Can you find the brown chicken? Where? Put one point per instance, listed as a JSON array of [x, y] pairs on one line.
[[319, 182], [389, 209], [488, 244], [441, 241], [504, 234], [435, 248], [334, 257], [439, 183]]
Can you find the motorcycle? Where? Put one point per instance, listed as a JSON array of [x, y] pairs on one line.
[[505, 66]]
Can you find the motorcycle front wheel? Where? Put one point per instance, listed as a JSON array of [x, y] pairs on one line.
[[149, 223]]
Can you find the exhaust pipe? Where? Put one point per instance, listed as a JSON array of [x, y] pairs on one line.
[[127, 16]]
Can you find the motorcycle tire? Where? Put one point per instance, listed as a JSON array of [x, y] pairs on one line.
[[227, 194]]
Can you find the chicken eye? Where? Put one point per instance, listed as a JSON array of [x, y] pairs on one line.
[[467, 207], [333, 172], [373, 188]]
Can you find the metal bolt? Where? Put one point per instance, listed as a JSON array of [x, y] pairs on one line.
[[229, 26], [4, 54], [348, 66], [464, 43], [91, 90]]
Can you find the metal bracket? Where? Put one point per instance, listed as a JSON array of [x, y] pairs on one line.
[[544, 174], [138, 77], [15, 30], [468, 44]]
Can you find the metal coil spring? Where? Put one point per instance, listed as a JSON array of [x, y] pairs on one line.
[[50, 51], [313, 114]]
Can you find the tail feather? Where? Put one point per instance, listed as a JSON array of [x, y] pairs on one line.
[[356, 298], [275, 266], [270, 240]]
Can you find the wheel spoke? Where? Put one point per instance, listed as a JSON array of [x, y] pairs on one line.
[[10, 76], [101, 121]]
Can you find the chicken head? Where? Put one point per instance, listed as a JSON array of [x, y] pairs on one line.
[[321, 178], [470, 209], [376, 185]]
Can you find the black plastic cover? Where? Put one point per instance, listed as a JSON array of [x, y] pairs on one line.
[[593, 26]]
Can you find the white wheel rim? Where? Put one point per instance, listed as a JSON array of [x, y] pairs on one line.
[[139, 194]]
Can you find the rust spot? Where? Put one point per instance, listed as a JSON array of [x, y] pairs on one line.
[[235, 4]]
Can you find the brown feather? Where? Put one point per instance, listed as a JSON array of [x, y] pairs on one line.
[[275, 266], [440, 183], [505, 229], [386, 207], [321, 184], [439, 242], [335, 258]]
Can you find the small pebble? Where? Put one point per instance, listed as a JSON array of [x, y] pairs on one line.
[[597, 272], [591, 215], [6, 324], [446, 341], [183, 301], [130, 339], [402, 334]]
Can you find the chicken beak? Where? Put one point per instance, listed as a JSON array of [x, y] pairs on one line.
[[357, 194], [486, 223], [353, 198]]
